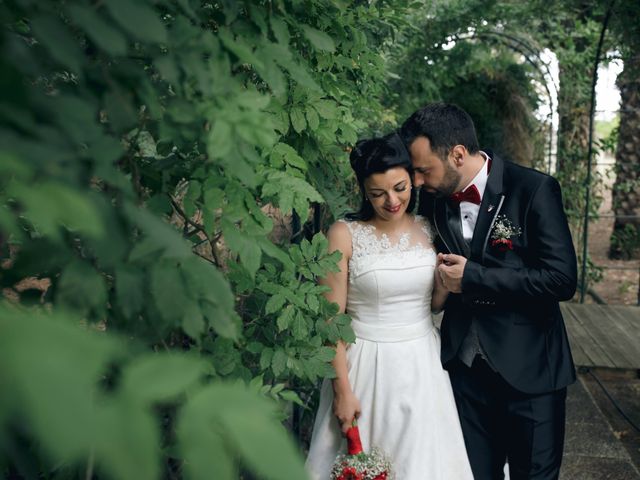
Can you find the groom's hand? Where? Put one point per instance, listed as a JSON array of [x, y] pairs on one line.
[[451, 268]]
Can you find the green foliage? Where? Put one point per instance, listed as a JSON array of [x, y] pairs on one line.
[[146, 151], [607, 132], [625, 242], [464, 53], [89, 401]]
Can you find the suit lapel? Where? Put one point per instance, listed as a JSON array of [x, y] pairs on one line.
[[455, 227], [441, 219], [489, 208]]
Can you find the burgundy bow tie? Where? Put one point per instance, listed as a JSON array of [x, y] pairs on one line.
[[471, 194]]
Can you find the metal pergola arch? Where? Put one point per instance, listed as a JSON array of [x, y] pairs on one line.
[[531, 54]]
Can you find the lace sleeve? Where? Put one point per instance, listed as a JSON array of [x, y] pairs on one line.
[[426, 228]]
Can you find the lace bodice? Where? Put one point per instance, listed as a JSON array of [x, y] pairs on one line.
[[369, 247], [390, 278]]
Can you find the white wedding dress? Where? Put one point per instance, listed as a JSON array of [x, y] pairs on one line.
[[408, 409]]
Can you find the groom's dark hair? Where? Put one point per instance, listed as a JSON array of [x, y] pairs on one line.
[[445, 125], [377, 155]]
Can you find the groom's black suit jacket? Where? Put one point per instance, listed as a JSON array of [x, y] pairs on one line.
[[513, 295]]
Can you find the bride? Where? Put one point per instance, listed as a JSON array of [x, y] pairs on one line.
[[391, 378]]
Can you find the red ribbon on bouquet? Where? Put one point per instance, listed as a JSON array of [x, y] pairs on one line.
[[354, 444]]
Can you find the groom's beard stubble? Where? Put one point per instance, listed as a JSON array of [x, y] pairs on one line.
[[449, 184]]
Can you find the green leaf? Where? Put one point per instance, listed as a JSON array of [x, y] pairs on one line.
[[38, 352], [240, 48], [193, 322], [81, 287], [129, 440], [225, 324], [274, 303], [205, 452], [167, 288], [100, 31], [299, 327], [312, 118], [253, 99], [265, 358], [278, 362], [224, 356], [282, 151], [291, 396], [144, 248], [54, 36], [217, 412], [313, 303], [289, 190], [276, 389], [160, 235], [274, 251], [220, 139], [273, 75], [129, 290], [138, 19], [168, 69], [258, 18], [299, 73], [205, 282], [264, 445], [255, 347], [121, 113], [318, 39], [327, 109], [325, 354], [155, 378], [248, 250], [280, 30], [285, 318], [12, 167], [52, 205], [297, 119], [213, 198]]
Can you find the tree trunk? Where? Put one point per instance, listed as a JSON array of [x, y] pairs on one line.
[[625, 240]]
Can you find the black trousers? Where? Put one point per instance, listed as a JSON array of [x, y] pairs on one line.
[[500, 423]]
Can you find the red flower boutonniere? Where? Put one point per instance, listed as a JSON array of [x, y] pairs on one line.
[[502, 232], [358, 465]]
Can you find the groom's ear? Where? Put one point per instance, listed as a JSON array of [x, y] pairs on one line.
[[458, 153]]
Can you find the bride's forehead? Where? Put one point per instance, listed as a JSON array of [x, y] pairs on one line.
[[387, 179]]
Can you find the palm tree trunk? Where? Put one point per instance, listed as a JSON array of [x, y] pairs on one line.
[[625, 239]]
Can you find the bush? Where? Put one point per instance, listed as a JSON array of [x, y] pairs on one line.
[[141, 145]]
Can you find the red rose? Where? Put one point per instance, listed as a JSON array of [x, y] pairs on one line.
[[503, 244], [354, 445], [382, 476], [350, 473]]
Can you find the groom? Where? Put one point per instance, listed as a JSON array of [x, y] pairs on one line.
[[507, 259]]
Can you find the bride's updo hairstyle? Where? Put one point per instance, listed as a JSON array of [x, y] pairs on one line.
[[377, 155]]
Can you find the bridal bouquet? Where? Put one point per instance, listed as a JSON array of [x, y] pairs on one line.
[[357, 465]]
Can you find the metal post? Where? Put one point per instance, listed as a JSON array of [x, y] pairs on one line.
[[585, 235]]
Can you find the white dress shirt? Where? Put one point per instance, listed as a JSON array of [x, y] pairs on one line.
[[469, 211]]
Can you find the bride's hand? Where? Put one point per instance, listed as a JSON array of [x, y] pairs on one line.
[[440, 291], [346, 408]]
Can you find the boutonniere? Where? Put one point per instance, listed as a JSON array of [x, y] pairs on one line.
[[503, 231]]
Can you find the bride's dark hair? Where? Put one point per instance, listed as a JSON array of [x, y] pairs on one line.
[[377, 155]]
